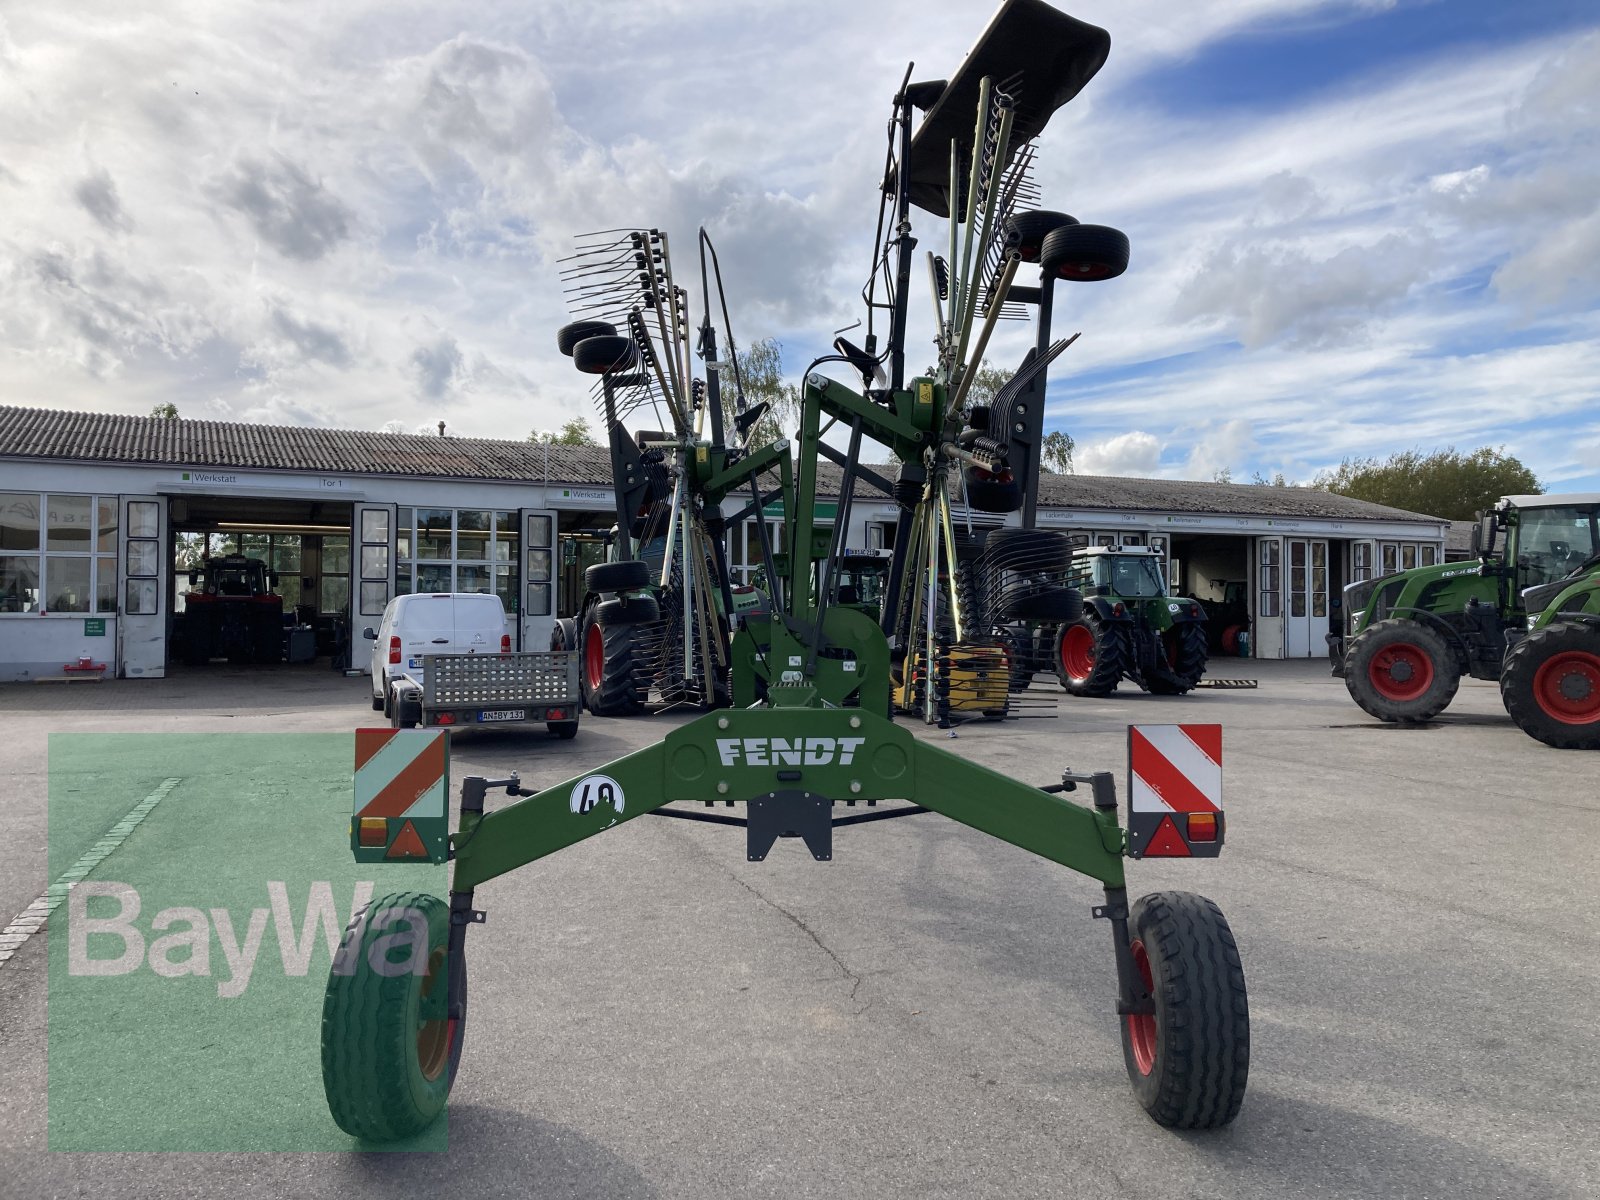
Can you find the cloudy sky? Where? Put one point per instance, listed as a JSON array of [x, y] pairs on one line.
[[1358, 226]]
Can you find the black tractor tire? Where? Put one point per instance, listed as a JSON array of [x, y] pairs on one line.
[[627, 610], [615, 683], [1181, 662], [390, 1052], [1031, 228], [1020, 654], [568, 336], [1400, 670], [1091, 656], [992, 495], [1087, 253], [1189, 1061], [605, 354], [1551, 685], [617, 576], [565, 730], [564, 634]]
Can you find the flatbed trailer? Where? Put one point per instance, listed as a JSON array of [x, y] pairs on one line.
[[465, 690]]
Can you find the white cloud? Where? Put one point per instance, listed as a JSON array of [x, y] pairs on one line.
[[1135, 453]]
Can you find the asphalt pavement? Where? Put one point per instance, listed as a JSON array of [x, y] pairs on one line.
[[930, 1014]]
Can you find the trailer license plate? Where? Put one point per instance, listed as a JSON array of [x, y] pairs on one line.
[[504, 714]]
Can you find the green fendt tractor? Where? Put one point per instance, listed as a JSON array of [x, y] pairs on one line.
[[1130, 628], [1409, 637], [1551, 679]]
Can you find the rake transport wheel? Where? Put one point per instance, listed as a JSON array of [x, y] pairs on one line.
[[1401, 671], [389, 1048], [1189, 1060], [1182, 661], [614, 681], [1551, 685], [1089, 657]]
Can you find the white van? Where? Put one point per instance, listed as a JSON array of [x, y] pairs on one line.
[[433, 623]]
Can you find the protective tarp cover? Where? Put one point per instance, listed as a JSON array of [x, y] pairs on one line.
[[1034, 53]]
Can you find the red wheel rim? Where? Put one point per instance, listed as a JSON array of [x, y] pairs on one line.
[[594, 657], [1401, 671], [1142, 1026], [1230, 640], [1567, 687], [1077, 652]]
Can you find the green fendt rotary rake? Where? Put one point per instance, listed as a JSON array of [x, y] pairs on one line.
[[811, 682]]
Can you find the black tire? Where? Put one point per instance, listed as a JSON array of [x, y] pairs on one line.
[[1551, 685], [565, 730], [1090, 656], [564, 634], [627, 610], [1085, 252], [1018, 641], [617, 576], [1190, 1061], [978, 418], [377, 702], [615, 682], [991, 495], [1181, 662], [1031, 228], [1028, 549], [605, 355], [405, 713], [389, 1049], [1400, 670], [568, 336], [1061, 605]]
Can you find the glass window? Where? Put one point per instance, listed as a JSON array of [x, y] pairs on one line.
[[433, 577], [402, 580], [144, 597], [256, 545], [286, 552], [505, 537], [144, 518], [105, 589], [375, 562], [222, 543], [1391, 558], [538, 600], [70, 524], [375, 525], [1361, 561], [404, 528], [538, 566], [143, 557], [505, 586], [68, 580], [1428, 558], [539, 532], [374, 595], [433, 533], [335, 593], [19, 521], [472, 534], [336, 555], [1408, 555], [1271, 598], [19, 583], [108, 525], [472, 577]]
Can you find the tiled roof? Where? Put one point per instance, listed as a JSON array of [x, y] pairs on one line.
[[40, 433], [104, 437]]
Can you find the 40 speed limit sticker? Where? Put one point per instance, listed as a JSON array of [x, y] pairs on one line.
[[594, 790]]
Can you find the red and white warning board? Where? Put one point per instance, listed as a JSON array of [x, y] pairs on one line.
[[1175, 791], [402, 783]]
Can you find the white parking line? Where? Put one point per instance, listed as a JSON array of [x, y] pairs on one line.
[[32, 919]]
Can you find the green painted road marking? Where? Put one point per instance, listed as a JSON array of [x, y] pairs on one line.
[[32, 919]]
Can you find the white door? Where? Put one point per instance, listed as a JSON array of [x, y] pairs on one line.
[[1266, 634], [537, 610], [372, 533], [1306, 618], [146, 569]]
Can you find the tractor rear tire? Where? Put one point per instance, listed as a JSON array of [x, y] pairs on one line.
[[1090, 656], [614, 679], [1400, 670], [1189, 1061], [1182, 661], [1551, 685], [389, 1049]]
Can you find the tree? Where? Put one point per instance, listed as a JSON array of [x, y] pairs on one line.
[[1055, 455], [574, 433], [1445, 483], [167, 411], [760, 377], [1277, 480]]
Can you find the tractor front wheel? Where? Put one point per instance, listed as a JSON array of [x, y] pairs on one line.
[[390, 1044], [1189, 1060], [1401, 670], [1551, 685], [1089, 656], [1181, 662]]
